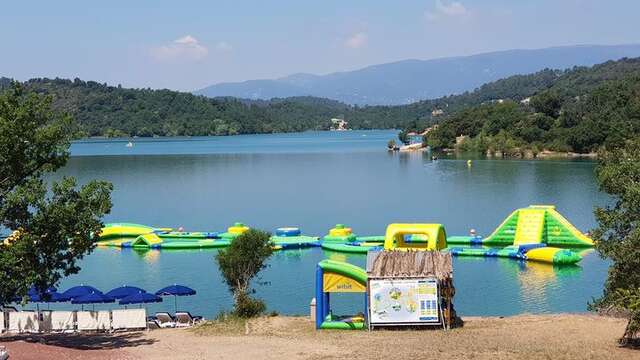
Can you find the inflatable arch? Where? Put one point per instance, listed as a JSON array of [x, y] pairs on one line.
[[338, 277], [432, 237]]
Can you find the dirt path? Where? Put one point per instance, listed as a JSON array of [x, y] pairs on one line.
[[520, 337]]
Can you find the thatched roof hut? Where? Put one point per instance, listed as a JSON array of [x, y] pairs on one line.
[[409, 264]]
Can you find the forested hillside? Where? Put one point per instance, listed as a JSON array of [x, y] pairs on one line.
[[581, 110], [560, 114]]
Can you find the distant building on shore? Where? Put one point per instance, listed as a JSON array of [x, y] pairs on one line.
[[339, 125]]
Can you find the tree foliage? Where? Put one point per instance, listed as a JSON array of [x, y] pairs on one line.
[[618, 234], [50, 228], [581, 111], [240, 263]]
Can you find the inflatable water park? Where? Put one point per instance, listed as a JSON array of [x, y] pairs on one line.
[[399, 288], [535, 233]]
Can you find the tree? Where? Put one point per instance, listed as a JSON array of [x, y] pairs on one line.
[[403, 136], [547, 103], [618, 234], [51, 227], [240, 263]]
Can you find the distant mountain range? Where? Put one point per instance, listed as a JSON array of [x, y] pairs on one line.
[[409, 81]]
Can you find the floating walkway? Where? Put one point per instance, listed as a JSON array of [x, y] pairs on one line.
[[537, 233]]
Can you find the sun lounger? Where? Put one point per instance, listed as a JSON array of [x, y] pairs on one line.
[[129, 319], [93, 320], [23, 321], [184, 319], [62, 321], [152, 323], [44, 317], [87, 320], [165, 320]]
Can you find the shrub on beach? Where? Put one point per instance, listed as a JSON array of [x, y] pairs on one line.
[[239, 264], [618, 235]]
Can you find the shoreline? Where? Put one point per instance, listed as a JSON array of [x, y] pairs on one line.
[[562, 336]]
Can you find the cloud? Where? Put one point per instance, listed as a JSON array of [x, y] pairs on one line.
[[357, 40], [446, 10], [184, 48], [223, 46]]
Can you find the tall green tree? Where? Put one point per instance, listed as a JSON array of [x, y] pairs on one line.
[[618, 234], [50, 228], [240, 263]]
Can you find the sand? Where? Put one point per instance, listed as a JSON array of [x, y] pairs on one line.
[[519, 337]]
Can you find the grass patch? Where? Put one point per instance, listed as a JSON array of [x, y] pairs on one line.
[[223, 324]]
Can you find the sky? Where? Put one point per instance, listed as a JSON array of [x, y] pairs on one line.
[[187, 45]]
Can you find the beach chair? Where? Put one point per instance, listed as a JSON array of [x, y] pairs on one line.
[[152, 323], [62, 321], [104, 320], [44, 317], [165, 320], [23, 321], [185, 319], [93, 320], [87, 320], [130, 319]]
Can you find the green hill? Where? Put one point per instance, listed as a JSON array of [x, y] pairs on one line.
[[566, 111], [579, 110]]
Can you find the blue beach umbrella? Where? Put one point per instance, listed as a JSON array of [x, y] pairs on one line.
[[48, 297], [141, 297], [124, 291], [33, 291], [79, 291], [93, 298], [176, 290]]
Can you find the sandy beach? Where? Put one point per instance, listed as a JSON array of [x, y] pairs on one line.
[[523, 337]]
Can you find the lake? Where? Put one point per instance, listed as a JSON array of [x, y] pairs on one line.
[[317, 179]]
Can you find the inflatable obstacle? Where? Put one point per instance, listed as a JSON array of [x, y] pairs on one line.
[[340, 234], [234, 231], [428, 237], [292, 238], [355, 247], [125, 231], [532, 252], [342, 239], [338, 277], [536, 224]]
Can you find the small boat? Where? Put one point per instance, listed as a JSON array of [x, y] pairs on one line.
[[129, 144]]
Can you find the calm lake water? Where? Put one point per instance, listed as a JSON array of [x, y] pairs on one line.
[[315, 180]]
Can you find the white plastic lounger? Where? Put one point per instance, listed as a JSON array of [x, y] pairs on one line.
[[104, 320], [23, 321], [185, 319], [165, 320], [45, 321], [62, 321], [129, 319]]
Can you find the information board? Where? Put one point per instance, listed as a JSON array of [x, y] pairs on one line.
[[403, 301]]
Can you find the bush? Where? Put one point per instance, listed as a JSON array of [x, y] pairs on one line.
[[617, 237], [240, 263], [248, 307]]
